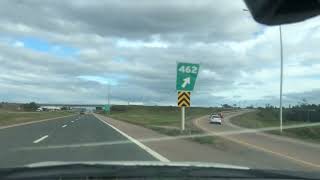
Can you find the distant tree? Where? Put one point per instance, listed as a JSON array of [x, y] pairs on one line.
[[119, 108], [304, 101], [99, 108], [30, 106], [313, 106], [226, 106], [65, 108], [250, 107], [270, 107]]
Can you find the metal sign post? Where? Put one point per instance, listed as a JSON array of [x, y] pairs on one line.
[[183, 102], [183, 115]]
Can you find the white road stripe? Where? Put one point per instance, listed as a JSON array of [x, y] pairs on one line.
[[33, 122], [72, 121], [144, 147], [64, 126], [40, 139]]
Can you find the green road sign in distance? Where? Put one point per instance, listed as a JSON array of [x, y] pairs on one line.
[[186, 76], [106, 108]]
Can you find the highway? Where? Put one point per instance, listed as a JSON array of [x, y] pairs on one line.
[[87, 138], [33, 143]]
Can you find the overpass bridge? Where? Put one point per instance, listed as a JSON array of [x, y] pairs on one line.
[[73, 105]]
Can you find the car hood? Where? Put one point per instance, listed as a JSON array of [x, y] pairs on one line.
[[138, 163], [147, 169]]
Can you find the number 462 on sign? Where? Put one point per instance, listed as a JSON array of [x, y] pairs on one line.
[[186, 76]]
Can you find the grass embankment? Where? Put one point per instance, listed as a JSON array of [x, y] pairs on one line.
[[157, 115], [164, 119], [10, 117], [270, 118]]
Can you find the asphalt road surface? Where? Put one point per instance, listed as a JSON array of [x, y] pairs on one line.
[[285, 150], [52, 141], [86, 138]]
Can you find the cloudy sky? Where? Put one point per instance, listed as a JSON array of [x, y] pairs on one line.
[[71, 51]]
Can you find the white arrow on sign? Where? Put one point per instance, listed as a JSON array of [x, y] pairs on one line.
[[186, 81]]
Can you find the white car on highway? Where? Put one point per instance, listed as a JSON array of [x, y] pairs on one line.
[[215, 119]]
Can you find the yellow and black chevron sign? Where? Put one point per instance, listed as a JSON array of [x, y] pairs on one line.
[[184, 99]]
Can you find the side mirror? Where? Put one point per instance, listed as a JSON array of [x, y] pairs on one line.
[[277, 12]]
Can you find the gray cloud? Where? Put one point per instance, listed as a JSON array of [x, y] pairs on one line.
[[237, 56], [204, 21]]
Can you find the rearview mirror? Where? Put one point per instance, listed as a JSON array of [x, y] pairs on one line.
[[277, 12]]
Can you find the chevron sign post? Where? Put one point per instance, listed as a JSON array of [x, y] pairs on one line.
[[186, 78]]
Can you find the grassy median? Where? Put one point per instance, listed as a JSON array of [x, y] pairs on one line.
[[157, 115], [10, 117], [164, 119], [270, 118]]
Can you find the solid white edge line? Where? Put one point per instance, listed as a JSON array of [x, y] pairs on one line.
[[142, 146], [64, 126], [40, 139]]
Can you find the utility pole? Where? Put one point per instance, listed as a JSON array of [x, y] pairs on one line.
[[109, 98], [281, 77], [281, 73], [109, 95]]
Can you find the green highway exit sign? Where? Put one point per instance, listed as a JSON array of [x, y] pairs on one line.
[[186, 76], [106, 108]]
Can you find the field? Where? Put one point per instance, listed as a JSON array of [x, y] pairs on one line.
[[157, 115], [11, 117], [164, 119], [270, 118]]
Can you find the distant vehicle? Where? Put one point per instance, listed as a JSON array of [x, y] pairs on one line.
[[215, 119], [49, 108], [82, 112]]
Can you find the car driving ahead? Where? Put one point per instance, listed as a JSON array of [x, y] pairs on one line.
[[215, 119]]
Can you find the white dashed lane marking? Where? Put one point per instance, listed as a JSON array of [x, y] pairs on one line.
[[40, 139]]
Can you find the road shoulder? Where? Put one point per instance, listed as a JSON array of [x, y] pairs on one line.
[[138, 143], [278, 147], [275, 136]]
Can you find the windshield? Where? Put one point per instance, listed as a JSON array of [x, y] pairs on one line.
[[115, 81]]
